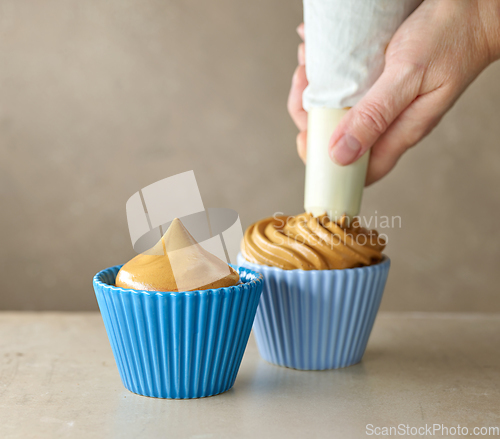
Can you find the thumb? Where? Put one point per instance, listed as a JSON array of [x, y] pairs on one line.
[[360, 128]]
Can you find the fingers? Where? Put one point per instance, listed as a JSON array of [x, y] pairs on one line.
[[302, 145], [297, 112], [411, 126], [360, 128], [300, 31], [301, 54]]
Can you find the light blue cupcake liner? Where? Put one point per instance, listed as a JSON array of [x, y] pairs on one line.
[[178, 345], [318, 319]]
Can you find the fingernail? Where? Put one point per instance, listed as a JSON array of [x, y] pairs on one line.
[[346, 150]]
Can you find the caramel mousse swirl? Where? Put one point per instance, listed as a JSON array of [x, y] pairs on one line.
[[311, 243]]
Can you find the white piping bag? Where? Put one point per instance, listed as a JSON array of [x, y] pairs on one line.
[[345, 47]]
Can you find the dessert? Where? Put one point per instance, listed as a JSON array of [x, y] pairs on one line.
[[323, 283], [176, 260], [311, 243], [178, 318]]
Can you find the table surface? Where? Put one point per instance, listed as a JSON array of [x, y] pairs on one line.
[[58, 379]]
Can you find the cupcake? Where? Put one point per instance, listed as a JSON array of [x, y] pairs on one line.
[[323, 283], [178, 318]]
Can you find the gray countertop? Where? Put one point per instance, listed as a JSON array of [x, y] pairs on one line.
[[58, 379]]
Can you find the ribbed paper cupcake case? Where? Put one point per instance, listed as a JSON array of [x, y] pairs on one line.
[[319, 319], [178, 345]]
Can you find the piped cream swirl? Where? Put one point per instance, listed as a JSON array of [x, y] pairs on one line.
[[311, 243]]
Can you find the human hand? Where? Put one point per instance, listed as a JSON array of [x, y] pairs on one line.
[[433, 57]]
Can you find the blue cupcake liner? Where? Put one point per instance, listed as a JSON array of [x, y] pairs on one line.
[[318, 319], [178, 345]]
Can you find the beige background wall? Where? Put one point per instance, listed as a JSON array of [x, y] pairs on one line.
[[98, 99]]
